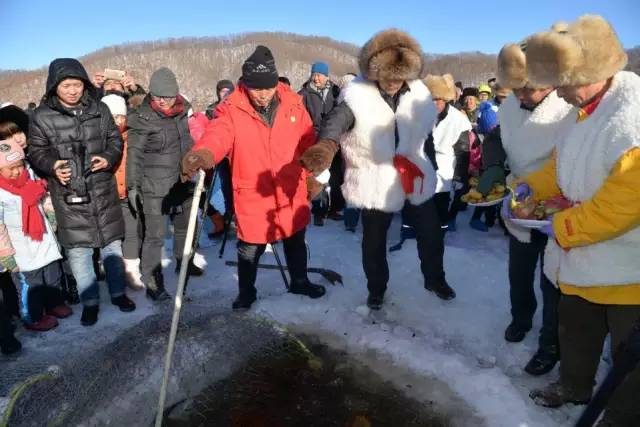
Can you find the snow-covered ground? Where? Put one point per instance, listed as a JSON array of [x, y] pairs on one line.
[[459, 342]]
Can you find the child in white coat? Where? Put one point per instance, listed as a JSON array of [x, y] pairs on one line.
[[28, 247]]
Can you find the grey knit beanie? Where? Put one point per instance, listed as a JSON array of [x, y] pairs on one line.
[[163, 83]]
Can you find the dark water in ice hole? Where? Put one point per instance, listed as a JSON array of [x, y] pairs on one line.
[[287, 387]]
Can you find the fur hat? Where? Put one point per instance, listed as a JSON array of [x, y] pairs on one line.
[[584, 52], [391, 55], [501, 91], [441, 87]]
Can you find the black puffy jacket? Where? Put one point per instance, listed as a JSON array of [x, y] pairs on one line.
[[155, 149], [54, 132]]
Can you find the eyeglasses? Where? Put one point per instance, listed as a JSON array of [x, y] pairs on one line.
[[163, 98]]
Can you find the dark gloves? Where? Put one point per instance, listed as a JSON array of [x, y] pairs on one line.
[[318, 157], [135, 200], [194, 160], [493, 175], [313, 188]]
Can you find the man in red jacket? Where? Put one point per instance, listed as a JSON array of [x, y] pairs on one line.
[[264, 128]]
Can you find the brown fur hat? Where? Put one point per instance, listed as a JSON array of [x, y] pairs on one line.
[[441, 87], [584, 52], [391, 55], [512, 66]]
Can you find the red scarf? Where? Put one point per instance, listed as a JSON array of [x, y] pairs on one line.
[[30, 191], [408, 173], [177, 108]]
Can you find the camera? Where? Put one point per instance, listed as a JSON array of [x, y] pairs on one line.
[[77, 185]]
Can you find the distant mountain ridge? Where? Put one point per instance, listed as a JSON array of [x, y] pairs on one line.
[[200, 62]]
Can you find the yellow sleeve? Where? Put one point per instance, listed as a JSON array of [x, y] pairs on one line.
[[613, 210], [543, 181]]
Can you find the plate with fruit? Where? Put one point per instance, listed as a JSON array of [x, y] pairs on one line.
[[474, 198], [534, 214]]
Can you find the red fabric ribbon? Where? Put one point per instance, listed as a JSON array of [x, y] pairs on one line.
[[408, 173], [30, 191]]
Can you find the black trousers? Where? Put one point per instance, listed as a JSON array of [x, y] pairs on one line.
[[457, 204], [295, 252], [8, 306], [523, 259], [424, 219], [442, 206], [490, 214], [583, 329]]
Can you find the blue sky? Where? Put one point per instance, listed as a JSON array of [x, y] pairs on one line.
[[36, 31]]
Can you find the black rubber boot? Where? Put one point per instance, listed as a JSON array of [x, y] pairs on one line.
[[89, 315], [307, 288], [543, 361], [243, 301], [515, 332], [374, 302], [442, 290]]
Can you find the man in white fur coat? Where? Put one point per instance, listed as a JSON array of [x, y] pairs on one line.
[[385, 117], [594, 247], [525, 139]]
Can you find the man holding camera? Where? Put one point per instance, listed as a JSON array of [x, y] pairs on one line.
[[121, 83], [75, 144]]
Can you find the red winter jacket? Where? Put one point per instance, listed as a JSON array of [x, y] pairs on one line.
[[269, 185]]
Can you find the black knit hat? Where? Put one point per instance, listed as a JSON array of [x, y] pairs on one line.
[[259, 70], [224, 84]]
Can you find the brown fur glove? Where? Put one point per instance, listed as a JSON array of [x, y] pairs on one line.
[[313, 188], [318, 157], [194, 160]]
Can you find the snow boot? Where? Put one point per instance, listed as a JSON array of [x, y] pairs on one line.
[[123, 303], [192, 269], [543, 361], [155, 288], [307, 288], [61, 311], [318, 220], [515, 332], [553, 396], [89, 315], [478, 225], [441, 289], [132, 272], [374, 302], [46, 323]]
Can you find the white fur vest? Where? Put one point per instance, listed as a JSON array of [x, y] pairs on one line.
[[445, 135], [589, 151], [371, 181], [528, 138]]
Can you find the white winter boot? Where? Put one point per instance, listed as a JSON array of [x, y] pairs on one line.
[[132, 270]]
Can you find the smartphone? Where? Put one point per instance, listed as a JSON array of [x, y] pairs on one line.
[[110, 74]]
